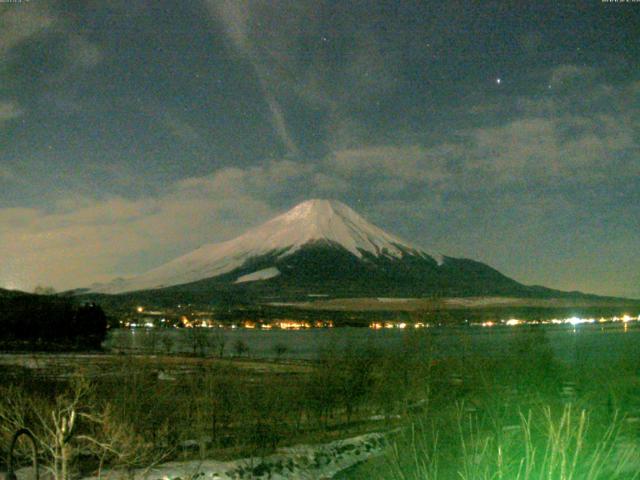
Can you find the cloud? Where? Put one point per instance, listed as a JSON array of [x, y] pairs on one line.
[[373, 67], [312, 71], [21, 21], [406, 163], [24, 21], [85, 240], [570, 76], [18, 23], [535, 152], [41, 21], [431, 195], [235, 16], [566, 136], [6, 173], [81, 240], [521, 194], [9, 111], [179, 127], [81, 53], [537, 195], [532, 42]]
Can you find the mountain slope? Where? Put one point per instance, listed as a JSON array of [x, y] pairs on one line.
[[324, 268], [4, 293], [311, 221], [319, 247]]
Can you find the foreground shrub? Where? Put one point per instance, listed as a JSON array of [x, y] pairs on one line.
[[76, 432]]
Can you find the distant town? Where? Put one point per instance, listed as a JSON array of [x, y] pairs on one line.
[[184, 316]]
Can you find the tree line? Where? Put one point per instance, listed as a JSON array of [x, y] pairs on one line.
[[48, 321]]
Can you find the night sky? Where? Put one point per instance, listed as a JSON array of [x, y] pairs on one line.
[[134, 131]]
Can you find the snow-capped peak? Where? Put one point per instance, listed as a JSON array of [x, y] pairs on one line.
[[312, 220], [326, 220]]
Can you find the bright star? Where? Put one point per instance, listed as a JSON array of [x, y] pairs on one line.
[[498, 80]]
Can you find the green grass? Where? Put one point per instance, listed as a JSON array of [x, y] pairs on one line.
[[522, 417], [549, 442]]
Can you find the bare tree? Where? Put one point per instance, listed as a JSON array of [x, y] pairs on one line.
[[199, 340], [219, 341], [240, 347], [167, 342], [280, 349], [74, 421], [42, 290]]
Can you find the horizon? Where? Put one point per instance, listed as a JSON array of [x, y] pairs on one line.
[[504, 135]]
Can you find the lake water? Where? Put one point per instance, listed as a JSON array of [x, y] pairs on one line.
[[579, 344]]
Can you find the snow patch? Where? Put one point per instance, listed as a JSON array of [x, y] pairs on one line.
[[479, 301], [264, 274], [298, 462]]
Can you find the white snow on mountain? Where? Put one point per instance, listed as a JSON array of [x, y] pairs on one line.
[[263, 274], [309, 221]]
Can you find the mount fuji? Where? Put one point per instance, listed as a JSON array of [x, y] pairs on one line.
[[324, 248]]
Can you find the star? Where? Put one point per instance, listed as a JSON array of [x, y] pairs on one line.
[[498, 80]]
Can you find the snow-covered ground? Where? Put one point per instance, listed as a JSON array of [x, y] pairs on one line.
[[479, 301], [312, 462], [394, 300], [294, 463]]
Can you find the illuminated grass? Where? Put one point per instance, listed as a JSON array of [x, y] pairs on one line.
[[544, 444]]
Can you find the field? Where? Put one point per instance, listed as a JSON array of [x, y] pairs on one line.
[[521, 411], [135, 411], [454, 303]]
